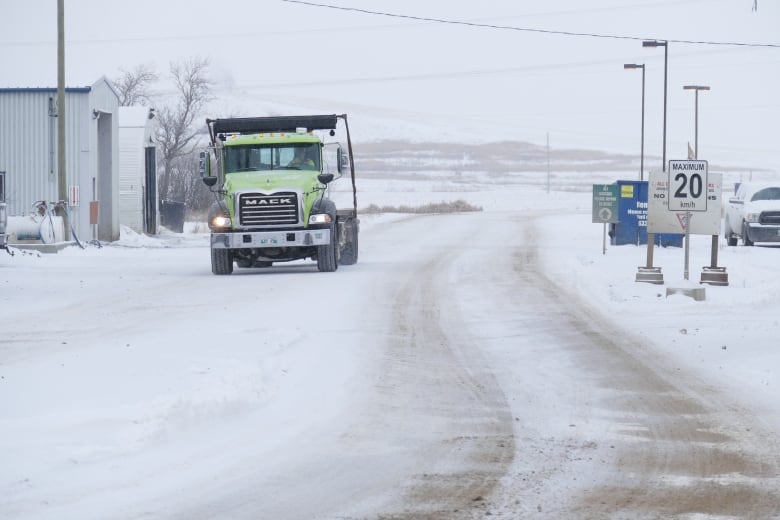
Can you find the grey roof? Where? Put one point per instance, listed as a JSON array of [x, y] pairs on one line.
[[16, 90]]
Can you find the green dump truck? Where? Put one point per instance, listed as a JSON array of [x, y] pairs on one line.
[[272, 178]]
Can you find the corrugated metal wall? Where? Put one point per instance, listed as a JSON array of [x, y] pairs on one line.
[[28, 150], [28, 146]]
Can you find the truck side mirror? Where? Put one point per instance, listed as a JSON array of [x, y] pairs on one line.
[[343, 161], [204, 168], [325, 178]]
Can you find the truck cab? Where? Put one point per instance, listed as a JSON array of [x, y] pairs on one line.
[[271, 178]]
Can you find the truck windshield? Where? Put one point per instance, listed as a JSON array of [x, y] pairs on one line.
[[767, 194], [246, 158]]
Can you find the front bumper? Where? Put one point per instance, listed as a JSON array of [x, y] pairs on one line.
[[763, 233], [267, 239]]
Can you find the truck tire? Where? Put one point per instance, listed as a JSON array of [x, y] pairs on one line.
[[745, 237], [731, 238], [221, 261], [327, 255], [349, 256]]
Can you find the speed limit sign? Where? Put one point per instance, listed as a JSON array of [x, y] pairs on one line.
[[688, 186]]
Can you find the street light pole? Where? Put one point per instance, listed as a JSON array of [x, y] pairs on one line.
[[642, 147], [696, 89], [665, 45], [666, 87], [649, 273], [713, 274]]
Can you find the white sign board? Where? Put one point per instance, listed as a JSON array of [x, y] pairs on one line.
[[688, 186], [663, 219]]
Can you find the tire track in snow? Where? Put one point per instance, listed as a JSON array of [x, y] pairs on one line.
[[678, 447], [439, 390]]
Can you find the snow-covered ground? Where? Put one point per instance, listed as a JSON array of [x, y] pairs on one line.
[[135, 384]]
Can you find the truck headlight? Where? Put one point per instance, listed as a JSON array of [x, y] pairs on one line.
[[752, 217], [221, 221], [320, 218]]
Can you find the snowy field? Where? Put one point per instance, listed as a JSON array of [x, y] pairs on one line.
[[135, 384]]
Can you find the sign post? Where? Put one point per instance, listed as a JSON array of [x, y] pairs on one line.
[[688, 181], [687, 200], [605, 208]]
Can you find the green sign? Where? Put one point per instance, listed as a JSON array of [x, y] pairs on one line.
[[605, 203]]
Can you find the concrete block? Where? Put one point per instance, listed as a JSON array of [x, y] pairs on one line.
[[697, 293]]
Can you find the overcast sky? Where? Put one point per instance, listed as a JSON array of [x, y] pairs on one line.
[[512, 81]]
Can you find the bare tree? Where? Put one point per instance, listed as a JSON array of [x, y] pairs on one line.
[[133, 86], [186, 184], [176, 129]]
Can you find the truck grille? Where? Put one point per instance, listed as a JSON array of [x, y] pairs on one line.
[[259, 209], [770, 218]]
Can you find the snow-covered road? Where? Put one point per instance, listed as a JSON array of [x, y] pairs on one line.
[[449, 374]]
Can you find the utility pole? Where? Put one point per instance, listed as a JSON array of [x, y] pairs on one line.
[[62, 179]]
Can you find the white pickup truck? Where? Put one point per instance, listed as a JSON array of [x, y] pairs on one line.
[[753, 213]]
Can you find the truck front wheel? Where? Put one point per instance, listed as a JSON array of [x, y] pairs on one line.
[[731, 238], [221, 261], [327, 259], [745, 236]]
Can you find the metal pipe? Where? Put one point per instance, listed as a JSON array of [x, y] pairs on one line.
[[351, 163]]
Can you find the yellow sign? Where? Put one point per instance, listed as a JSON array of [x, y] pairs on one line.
[[627, 191]]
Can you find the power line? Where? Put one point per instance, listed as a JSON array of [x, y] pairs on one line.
[[523, 29]]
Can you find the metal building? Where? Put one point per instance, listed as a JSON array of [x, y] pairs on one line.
[[138, 205], [28, 154]]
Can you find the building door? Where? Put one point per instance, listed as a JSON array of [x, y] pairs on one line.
[[150, 190]]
